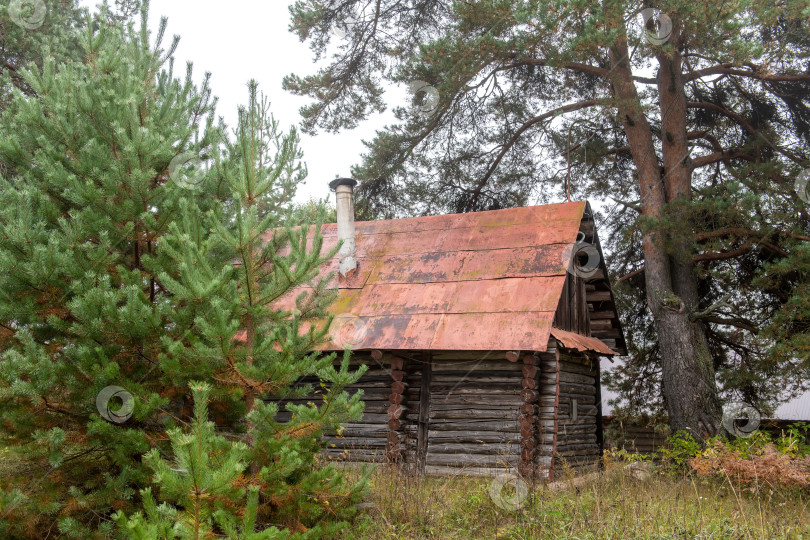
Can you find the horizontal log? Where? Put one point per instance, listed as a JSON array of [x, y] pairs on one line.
[[542, 461], [397, 362], [472, 460], [595, 315], [472, 437], [357, 457], [484, 391], [582, 389], [486, 472], [531, 384], [397, 398], [398, 387], [567, 377], [449, 405], [380, 431], [576, 367], [373, 418], [598, 296], [576, 438], [528, 408], [474, 425], [586, 405], [475, 414], [355, 442], [548, 366], [480, 364], [513, 356], [561, 422], [576, 449], [396, 424], [601, 324], [580, 428], [474, 400], [468, 379], [610, 333], [456, 355], [398, 375], [480, 448]]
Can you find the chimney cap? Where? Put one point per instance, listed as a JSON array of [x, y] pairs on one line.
[[351, 182]]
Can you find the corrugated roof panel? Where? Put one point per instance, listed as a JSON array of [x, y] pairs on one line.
[[512, 295], [527, 330], [579, 342], [546, 260], [478, 281], [383, 332]]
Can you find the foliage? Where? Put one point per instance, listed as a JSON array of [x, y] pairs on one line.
[[678, 450], [693, 139], [758, 459], [313, 209], [141, 249]]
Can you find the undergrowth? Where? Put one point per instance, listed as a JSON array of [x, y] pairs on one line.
[[671, 500]]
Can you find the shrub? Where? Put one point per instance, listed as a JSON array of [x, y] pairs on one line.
[[676, 454], [784, 461], [768, 464]]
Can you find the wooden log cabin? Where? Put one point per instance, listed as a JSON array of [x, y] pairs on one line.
[[482, 333]]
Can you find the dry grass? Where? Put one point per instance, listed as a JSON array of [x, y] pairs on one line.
[[608, 504]]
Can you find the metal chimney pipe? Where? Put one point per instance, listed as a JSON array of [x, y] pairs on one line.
[[344, 190]]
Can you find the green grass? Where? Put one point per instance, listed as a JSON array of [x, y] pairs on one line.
[[611, 504]]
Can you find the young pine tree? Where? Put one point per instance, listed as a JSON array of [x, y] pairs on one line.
[[238, 266], [81, 304], [127, 269]]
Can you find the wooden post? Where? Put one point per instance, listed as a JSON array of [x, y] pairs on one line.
[[600, 434], [397, 411], [424, 413], [528, 415], [556, 409]]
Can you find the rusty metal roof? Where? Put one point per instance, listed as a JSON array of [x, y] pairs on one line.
[[477, 281], [572, 340]]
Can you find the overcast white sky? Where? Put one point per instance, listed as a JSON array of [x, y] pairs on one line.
[[241, 40]]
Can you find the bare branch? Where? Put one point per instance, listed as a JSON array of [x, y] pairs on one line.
[[516, 136]]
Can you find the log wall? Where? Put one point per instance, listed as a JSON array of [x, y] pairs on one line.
[[366, 440], [578, 445], [474, 408], [486, 412]]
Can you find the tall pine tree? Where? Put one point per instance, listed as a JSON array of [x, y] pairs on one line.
[[689, 119]]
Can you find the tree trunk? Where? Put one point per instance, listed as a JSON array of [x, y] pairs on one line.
[[689, 385]]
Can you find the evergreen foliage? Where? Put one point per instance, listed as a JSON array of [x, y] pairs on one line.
[[142, 249]]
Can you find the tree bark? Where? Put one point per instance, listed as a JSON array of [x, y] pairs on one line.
[[689, 385]]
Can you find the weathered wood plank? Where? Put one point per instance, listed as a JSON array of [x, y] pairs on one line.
[[424, 412], [479, 448], [472, 459], [473, 437], [474, 425]]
